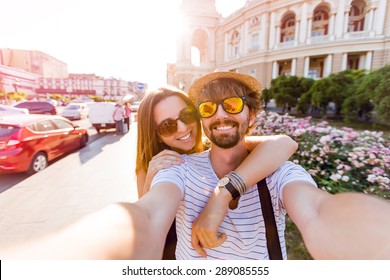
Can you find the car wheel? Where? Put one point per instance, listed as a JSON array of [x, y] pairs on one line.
[[38, 163], [83, 141]]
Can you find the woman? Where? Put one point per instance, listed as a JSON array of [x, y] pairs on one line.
[[169, 125]]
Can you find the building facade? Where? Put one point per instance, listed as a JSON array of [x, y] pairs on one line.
[[312, 38], [39, 75], [36, 62], [17, 80]]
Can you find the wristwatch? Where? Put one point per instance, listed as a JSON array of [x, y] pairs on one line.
[[225, 183]]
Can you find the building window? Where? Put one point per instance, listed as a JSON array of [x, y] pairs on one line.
[[235, 44], [288, 28], [313, 73], [356, 16], [255, 41], [320, 22]]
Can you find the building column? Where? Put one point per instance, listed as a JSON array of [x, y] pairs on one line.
[[328, 65], [303, 25], [346, 21], [309, 26], [368, 62], [227, 49], [306, 67], [296, 35], [294, 67], [275, 69], [263, 32], [370, 22], [277, 39], [344, 61], [244, 39], [272, 31], [339, 20], [379, 17], [331, 27]]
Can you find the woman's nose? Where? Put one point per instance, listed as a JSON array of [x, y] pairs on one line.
[[181, 126]]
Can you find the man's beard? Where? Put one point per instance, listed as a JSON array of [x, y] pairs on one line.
[[226, 141]]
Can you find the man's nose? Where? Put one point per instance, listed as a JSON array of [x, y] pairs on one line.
[[221, 113]]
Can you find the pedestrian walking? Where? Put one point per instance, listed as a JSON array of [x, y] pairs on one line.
[[117, 116], [127, 110]]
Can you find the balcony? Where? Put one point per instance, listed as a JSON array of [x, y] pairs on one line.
[[359, 35], [319, 39]]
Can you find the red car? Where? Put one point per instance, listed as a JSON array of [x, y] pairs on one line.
[[29, 142]]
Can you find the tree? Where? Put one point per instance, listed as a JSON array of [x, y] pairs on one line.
[[371, 96], [335, 88], [288, 90], [266, 96]]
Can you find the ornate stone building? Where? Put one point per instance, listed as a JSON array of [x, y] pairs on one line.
[[265, 38]]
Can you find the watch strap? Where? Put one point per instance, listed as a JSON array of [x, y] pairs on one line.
[[233, 191]]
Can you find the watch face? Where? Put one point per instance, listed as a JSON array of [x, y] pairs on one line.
[[223, 181]]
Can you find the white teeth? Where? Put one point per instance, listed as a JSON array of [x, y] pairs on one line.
[[223, 127], [185, 138]]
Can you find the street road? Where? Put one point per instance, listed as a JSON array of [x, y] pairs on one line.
[[79, 183]]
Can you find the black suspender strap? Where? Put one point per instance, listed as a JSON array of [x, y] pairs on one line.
[[271, 232]]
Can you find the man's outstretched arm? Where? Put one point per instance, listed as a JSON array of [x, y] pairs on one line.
[[341, 226], [118, 231]]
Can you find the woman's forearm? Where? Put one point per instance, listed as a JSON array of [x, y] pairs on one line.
[[267, 154]]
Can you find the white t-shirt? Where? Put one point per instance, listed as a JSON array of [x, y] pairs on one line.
[[118, 113], [244, 226]]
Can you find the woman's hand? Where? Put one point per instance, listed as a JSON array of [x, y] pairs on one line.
[[162, 160], [205, 228]]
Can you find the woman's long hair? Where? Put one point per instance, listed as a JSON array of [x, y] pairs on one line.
[[149, 142]]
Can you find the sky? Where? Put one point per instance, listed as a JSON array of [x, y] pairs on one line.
[[127, 39]]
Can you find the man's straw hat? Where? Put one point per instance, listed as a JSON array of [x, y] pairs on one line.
[[200, 83]]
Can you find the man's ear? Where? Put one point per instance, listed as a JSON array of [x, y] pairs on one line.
[[252, 118]]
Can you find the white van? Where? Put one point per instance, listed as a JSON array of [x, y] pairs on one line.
[[100, 115]]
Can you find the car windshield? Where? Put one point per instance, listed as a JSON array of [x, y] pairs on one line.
[[73, 107]]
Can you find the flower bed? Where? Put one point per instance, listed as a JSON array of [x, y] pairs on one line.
[[338, 159]]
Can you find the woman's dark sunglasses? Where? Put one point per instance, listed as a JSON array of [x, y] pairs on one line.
[[231, 105], [168, 127]]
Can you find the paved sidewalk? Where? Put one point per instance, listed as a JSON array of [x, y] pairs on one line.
[[85, 181]]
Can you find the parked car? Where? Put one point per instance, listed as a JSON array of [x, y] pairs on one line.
[[29, 142], [38, 107], [9, 110], [135, 106], [75, 111]]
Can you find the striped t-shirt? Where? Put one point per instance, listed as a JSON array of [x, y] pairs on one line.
[[243, 226]]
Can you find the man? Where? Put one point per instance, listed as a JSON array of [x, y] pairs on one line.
[[117, 116], [326, 221]]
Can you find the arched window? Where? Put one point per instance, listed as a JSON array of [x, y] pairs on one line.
[[199, 47], [287, 32], [320, 21], [357, 14], [235, 44]]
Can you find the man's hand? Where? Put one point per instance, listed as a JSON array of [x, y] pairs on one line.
[[205, 228]]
